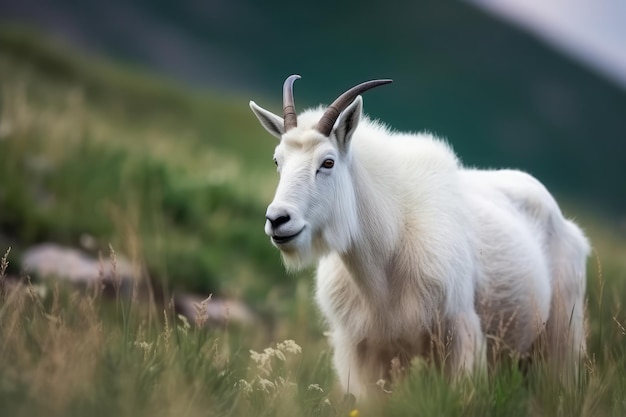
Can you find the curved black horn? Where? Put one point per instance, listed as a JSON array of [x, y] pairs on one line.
[[289, 110], [326, 123]]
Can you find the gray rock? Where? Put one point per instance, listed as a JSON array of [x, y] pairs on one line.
[[49, 260]]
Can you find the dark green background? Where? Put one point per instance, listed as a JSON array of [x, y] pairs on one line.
[[501, 97]]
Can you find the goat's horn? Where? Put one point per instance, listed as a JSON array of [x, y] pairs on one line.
[[326, 123], [289, 109]]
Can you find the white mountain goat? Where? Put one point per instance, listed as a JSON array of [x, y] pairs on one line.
[[418, 255]]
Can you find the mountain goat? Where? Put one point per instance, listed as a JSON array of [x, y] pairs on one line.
[[418, 255]]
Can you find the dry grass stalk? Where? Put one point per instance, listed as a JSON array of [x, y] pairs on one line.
[[49, 352], [4, 264], [201, 312]]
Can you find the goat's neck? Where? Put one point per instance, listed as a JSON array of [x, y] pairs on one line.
[[370, 252]]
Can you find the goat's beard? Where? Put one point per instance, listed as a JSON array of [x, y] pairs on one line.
[[298, 258], [305, 254]]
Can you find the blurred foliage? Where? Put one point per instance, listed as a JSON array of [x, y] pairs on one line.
[[502, 97], [87, 149]]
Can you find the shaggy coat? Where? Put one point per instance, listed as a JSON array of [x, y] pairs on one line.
[[420, 256]]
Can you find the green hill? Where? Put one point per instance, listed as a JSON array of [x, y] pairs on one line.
[[177, 180], [501, 97]]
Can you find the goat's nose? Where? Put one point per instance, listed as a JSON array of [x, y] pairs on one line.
[[278, 220]]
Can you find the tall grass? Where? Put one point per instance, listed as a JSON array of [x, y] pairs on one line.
[[65, 353]]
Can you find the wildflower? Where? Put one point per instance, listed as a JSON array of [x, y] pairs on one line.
[[289, 346], [354, 413], [279, 354], [285, 382], [262, 359], [381, 384], [143, 345], [244, 386], [266, 385], [315, 387]]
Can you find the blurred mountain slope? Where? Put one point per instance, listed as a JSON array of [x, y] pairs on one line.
[[172, 179], [498, 95]]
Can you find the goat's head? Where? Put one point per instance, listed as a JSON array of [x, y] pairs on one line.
[[314, 209]]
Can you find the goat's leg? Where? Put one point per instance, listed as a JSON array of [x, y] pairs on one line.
[[360, 366], [564, 332], [349, 366], [467, 346]]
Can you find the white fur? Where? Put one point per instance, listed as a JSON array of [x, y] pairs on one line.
[[420, 256]]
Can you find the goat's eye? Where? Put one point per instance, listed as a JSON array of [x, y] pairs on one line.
[[275, 162], [328, 163]]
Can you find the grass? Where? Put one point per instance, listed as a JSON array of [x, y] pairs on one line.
[[140, 359], [177, 182], [65, 352]]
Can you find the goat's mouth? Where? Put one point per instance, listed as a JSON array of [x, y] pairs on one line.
[[282, 240]]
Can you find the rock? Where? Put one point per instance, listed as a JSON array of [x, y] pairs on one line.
[[49, 260], [218, 312]]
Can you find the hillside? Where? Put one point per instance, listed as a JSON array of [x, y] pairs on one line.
[[174, 179], [502, 98]]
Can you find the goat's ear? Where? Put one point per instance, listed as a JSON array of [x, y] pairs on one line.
[[348, 121], [275, 125]]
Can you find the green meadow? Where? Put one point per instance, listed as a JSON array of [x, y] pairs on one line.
[[177, 181]]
